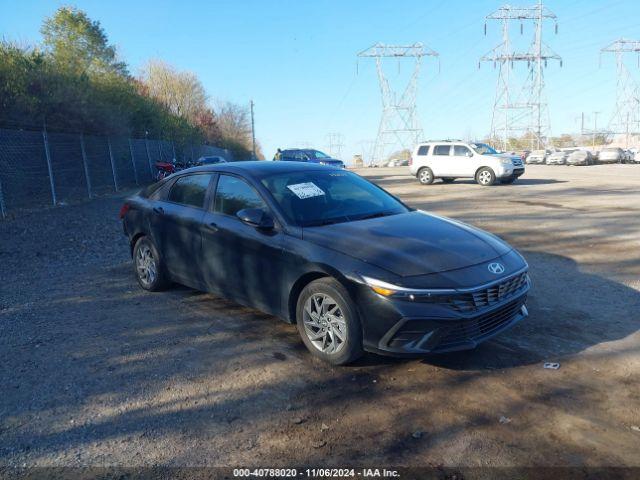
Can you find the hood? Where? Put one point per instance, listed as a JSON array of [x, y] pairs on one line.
[[506, 155], [332, 161], [414, 243]]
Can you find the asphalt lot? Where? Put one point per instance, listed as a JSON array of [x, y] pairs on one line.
[[95, 371]]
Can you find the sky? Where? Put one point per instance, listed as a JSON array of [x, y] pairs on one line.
[[297, 59]]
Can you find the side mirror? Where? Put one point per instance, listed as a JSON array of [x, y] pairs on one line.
[[256, 217], [469, 154]]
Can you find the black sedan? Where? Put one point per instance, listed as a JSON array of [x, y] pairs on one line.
[[351, 265]]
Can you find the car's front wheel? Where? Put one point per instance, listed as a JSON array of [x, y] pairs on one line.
[[485, 177], [425, 176], [150, 270], [328, 322]]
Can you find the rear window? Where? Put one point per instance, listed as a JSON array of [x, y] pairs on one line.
[[441, 149], [190, 190], [423, 150]]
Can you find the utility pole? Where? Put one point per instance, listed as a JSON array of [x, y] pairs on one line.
[[399, 125], [521, 110], [253, 132], [626, 115]]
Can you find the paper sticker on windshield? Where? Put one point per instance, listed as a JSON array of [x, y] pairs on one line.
[[305, 190]]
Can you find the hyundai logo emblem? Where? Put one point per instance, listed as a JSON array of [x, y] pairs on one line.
[[496, 268]]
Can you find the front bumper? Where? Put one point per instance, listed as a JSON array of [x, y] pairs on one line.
[[409, 328], [424, 335]]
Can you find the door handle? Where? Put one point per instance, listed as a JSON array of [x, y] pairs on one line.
[[212, 226], [158, 210]]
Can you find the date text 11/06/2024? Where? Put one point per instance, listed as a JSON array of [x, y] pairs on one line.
[[316, 472]]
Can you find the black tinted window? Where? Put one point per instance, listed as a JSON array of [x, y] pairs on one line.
[[190, 190], [234, 194], [441, 150], [423, 150], [460, 150]]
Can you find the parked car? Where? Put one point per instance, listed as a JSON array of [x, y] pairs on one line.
[[538, 157], [449, 160], [311, 156], [211, 160], [611, 155], [581, 157], [351, 265], [559, 157]]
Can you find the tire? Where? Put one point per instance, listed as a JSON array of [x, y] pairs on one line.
[[425, 176], [311, 301], [148, 266], [508, 180], [448, 179], [485, 177]]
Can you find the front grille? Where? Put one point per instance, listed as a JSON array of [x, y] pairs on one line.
[[469, 302], [482, 326]]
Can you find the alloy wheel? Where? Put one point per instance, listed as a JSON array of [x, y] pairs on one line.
[[146, 265], [324, 323], [425, 176], [485, 177]]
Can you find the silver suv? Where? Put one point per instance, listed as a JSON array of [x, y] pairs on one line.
[[449, 160]]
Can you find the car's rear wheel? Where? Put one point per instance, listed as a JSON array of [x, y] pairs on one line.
[[328, 322], [149, 268], [485, 177], [425, 176], [448, 179]]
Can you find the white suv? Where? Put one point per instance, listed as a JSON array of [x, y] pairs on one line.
[[449, 160]]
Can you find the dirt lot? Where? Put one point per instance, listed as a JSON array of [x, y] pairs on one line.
[[94, 371]]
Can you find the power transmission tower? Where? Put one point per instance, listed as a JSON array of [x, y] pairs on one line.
[[335, 142], [399, 125], [626, 115], [521, 110]]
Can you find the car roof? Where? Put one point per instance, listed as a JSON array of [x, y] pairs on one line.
[[258, 168]]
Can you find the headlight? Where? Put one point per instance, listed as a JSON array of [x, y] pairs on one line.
[[389, 290], [505, 161], [323, 163]]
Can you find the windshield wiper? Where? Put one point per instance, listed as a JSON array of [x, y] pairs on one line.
[[375, 215], [326, 221]]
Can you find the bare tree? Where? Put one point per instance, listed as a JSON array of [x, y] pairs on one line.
[[181, 92]]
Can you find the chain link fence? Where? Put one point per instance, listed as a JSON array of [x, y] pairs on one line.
[[39, 169]]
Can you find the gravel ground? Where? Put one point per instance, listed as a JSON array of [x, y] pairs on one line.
[[96, 372]]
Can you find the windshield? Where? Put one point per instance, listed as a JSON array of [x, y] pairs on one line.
[[317, 154], [483, 149], [322, 198]]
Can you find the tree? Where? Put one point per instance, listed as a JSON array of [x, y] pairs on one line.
[[181, 92], [79, 44], [235, 128]]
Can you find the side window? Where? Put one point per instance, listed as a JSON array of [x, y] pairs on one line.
[[423, 150], [461, 151], [234, 194], [190, 190], [287, 156], [441, 149]]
